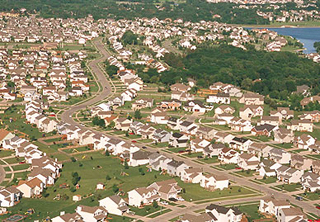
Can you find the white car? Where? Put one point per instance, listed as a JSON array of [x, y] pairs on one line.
[[164, 203]]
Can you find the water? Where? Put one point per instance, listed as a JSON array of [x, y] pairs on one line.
[[307, 36]]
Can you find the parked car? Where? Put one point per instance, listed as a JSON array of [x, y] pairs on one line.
[[133, 141]]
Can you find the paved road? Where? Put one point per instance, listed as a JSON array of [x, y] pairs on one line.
[[66, 116]]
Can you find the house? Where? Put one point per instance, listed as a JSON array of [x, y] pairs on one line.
[[191, 175], [167, 189], [220, 98], [175, 168], [304, 141], [271, 120], [122, 124], [263, 130], [280, 156], [300, 162], [224, 213], [30, 188], [200, 217], [283, 113], [249, 111], [161, 136], [316, 166], [240, 143], [142, 103], [9, 196], [67, 218], [114, 205], [206, 132], [5, 135], [228, 156], [272, 206], [139, 158], [240, 125], [310, 182], [213, 149], [313, 116], [259, 149], [76, 198], [178, 140], [92, 214], [180, 87], [213, 182], [198, 145], [301, 125], [224, 109], [173, 123], [303, 90], [248, 161], [143, 196], [223, 137], [173, 104], [282, 135], [268, 168], [289, 175], [290, 214], [252, 99], [159, 118], [195, 106]]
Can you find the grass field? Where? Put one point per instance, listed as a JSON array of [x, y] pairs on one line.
[[268, 180]]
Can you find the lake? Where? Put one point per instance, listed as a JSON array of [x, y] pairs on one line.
[[307, 36]]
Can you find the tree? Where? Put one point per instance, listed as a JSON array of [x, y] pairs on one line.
[[126, 166], [107, 153], [98, 122], [115, 188], [75, 178], [137, 114], [155, 204]]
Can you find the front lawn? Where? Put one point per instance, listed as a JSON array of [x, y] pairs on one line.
[[268, 180], [192, 155], [195, 192], [211, 160], [245, 173], [289, 187], [227, 166]]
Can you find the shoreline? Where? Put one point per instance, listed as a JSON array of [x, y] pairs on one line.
[[277, 26]]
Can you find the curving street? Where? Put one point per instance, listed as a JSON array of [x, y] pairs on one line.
[[66, 116]]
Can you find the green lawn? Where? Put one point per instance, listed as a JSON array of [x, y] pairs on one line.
[[195, 192], [211, 160], [311, 196], [284, 145], [268, 180], [227, 166], [261, 138], [176, 150], [53, 140], [251, 211], [4, 153], [289, 187], [245, 173], [20, 167], [14, 160], [145, 210], [192, 155], [90, 174]]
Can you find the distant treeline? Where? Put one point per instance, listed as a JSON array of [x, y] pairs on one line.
[[192, 10]]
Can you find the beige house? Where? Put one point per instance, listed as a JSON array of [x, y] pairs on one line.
[[301, 125], [30, 188], [301, 163], [252, 99], [283, 135]]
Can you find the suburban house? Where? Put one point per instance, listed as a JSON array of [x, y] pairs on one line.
[[267, 168], [114, 205], [259, 149], [272, 206], [143, 196], [224, 109], [191, 175], [301, 125], [5, 135], [252, 99], [280, 156], [300, 162], [310, 182], [178, 140], [220, 98], [289, 175], [222, 213], [248, 161], [30, 188], [213, 182], [249, 111], [175, 168], [271, 120], [282, 135], [94, 214], [228, 156], [167, 189], [290, 214], [263, 130], [283, 113]]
